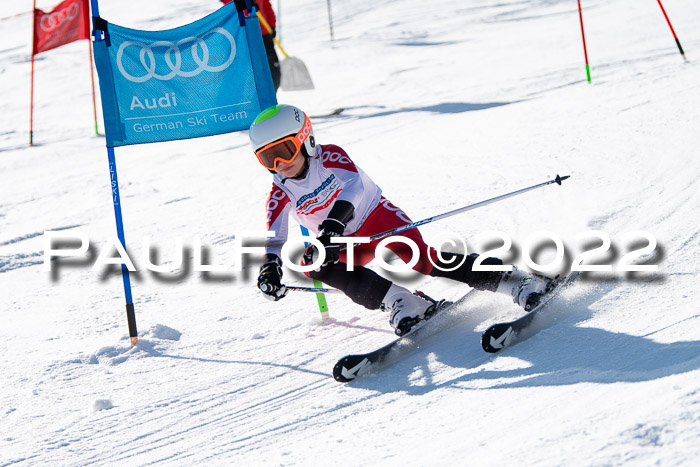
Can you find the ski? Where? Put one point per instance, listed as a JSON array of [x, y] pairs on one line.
[[501, 335], [351, 367]]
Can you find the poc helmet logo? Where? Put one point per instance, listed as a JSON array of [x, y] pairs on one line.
[[304, 132], [173, 57]]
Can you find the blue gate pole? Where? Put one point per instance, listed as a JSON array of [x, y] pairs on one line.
[[130, 313], [95, 12]]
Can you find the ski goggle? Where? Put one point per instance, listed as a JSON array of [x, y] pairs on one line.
[[285, 149]]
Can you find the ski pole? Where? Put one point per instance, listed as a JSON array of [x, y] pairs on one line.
[[388, 233], [311, 289], [378, 236]]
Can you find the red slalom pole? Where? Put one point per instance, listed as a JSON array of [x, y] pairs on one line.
[[31, 107], [583, 35], [31, 99], [678, 43], [92, 80]]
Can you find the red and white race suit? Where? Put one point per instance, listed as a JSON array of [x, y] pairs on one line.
[[333, 176]]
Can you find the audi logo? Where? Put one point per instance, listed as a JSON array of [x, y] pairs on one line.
[[148, 60], [50, 22]]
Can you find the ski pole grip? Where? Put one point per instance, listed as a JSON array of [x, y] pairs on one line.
[[560, 179]]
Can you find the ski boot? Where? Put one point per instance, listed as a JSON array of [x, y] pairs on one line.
[[526, 289], [407, 309]]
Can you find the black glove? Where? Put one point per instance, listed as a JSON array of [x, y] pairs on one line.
[[270, 279], [328, 229], [334, 226]]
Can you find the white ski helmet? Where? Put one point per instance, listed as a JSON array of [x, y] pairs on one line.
[[281, 122]]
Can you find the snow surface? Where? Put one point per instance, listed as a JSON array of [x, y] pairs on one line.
[[446, 105]]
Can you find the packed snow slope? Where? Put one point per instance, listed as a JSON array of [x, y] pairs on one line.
[[445, 104]]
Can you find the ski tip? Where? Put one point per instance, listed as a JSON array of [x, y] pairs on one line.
[[497, 337], [338, 371], [350, 367], [559, 179]]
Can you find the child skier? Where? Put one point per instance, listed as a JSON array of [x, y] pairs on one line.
[[327, 193]]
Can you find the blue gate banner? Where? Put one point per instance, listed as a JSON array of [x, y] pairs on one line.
[[206, 78]]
